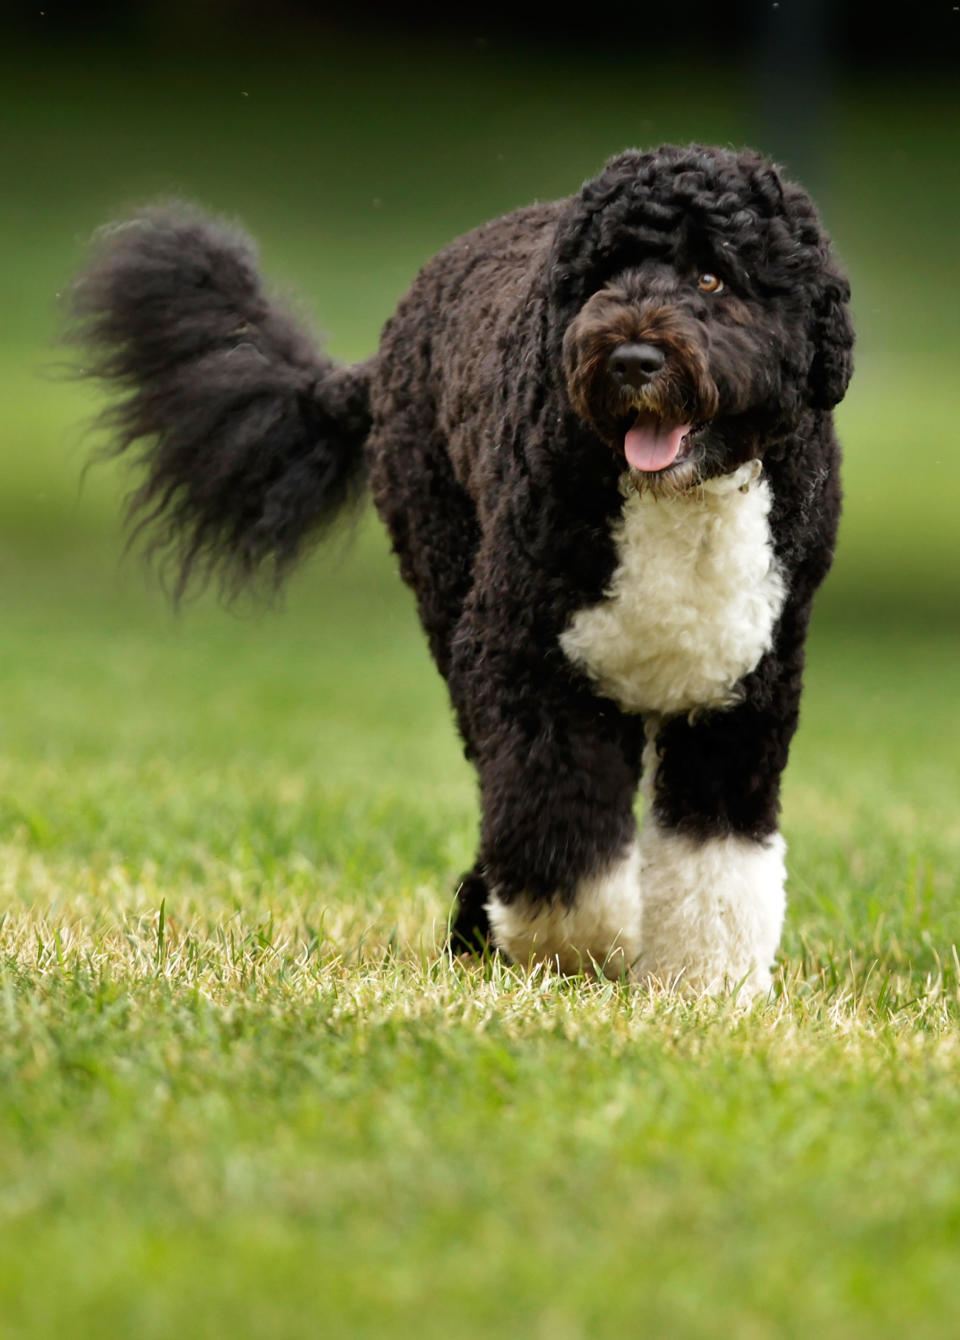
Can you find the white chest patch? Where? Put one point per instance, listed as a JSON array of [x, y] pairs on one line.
[[693, 602]]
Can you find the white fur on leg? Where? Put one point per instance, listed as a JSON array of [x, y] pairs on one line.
[[600, 927], [712, 910]]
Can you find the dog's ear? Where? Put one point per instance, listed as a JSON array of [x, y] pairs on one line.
[[594, 238], [826, 293], [832, 335]]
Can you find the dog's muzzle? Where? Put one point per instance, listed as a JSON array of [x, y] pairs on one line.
[[654, 440]]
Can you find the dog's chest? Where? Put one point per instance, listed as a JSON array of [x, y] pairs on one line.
[[692, 604]]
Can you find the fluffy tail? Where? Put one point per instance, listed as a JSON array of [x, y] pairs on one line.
[[248, 438]]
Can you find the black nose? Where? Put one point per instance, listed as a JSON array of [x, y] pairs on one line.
[[636, 364]]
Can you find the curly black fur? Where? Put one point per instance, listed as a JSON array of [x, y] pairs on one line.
[[493, 435]]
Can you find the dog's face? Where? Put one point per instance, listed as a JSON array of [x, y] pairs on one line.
[[711, 315]]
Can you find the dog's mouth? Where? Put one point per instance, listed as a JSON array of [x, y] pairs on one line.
[[652, 444]]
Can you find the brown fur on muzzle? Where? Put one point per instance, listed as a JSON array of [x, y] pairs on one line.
[[683, 392]]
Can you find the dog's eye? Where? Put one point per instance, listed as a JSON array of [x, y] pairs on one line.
[[709, 283]]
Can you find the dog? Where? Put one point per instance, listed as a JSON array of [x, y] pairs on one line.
[[599, 432]]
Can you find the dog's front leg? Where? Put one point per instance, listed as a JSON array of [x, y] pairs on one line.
[[712, 857], [558, 773]]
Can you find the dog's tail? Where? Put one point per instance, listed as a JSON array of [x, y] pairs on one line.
[[248, 438]]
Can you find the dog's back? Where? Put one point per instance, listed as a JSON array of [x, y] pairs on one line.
[[440, 368]]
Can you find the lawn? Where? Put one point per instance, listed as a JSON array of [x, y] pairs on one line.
[[241, 1087], [242, 1090]]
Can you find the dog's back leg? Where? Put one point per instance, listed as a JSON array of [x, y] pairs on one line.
[[470, 922], [433, 526]]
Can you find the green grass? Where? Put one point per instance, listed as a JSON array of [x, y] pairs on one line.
[[241, 1088]]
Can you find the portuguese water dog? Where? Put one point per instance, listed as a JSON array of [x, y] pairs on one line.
[[599, 433]]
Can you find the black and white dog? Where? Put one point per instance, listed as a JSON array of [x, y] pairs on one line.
[[599, 432]]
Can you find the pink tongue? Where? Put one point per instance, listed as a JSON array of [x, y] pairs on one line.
[[654, 446]]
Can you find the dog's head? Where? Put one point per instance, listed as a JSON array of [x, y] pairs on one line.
[[697, 310]]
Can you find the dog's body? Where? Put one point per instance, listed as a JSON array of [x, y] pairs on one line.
[[599, 434]]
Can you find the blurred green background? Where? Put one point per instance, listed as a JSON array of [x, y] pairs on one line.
[[354, 145]]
